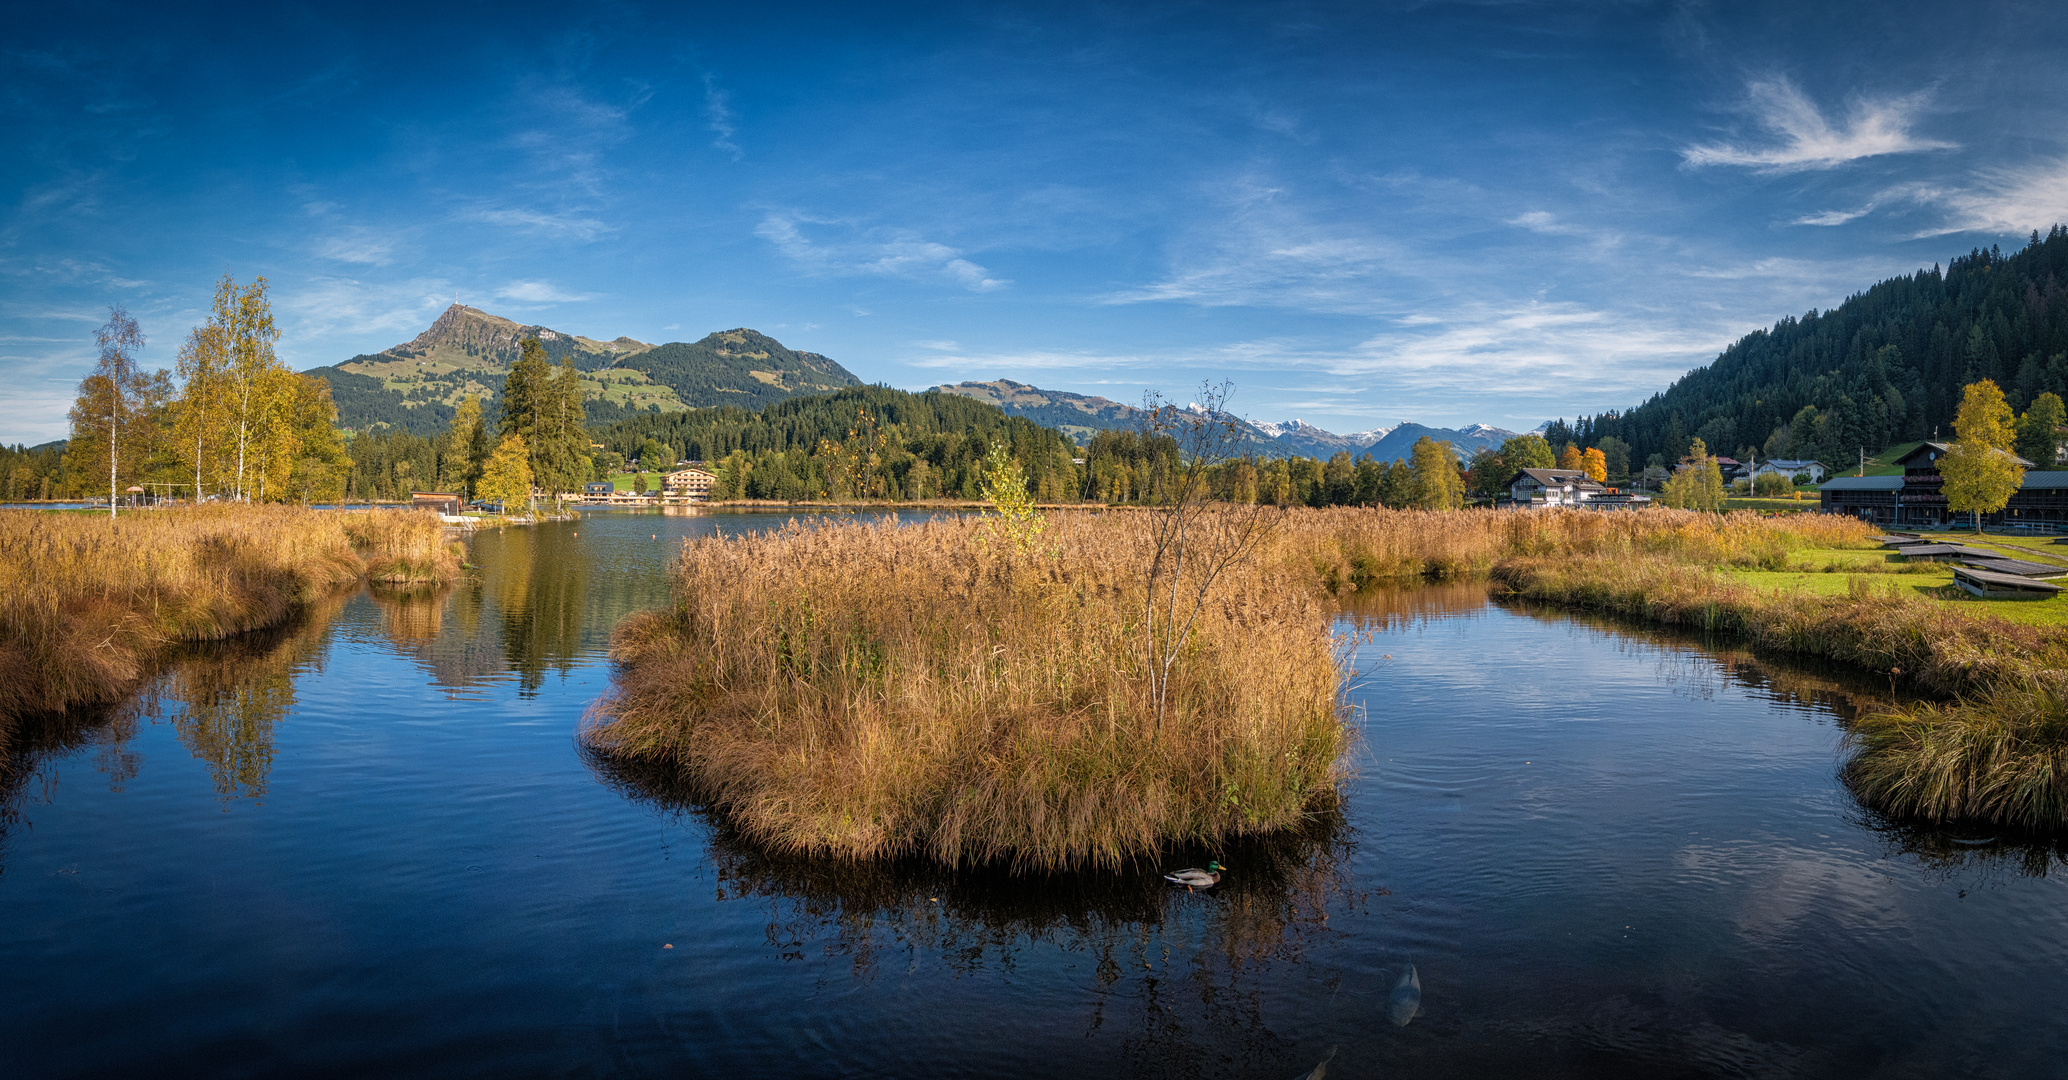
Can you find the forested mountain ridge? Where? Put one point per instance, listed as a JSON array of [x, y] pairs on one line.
[[415, 386], [906, 445], [1885, 366]]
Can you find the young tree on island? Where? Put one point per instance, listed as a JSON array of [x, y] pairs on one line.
[[1190, 543], [2039, 430], [1980, 472], [113, 408], [1437, 484], [507, 476]]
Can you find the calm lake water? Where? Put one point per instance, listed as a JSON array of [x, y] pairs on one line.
[[368, 844]]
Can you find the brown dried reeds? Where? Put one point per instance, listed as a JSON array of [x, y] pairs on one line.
[[88, 604], [1998, 758], [921, 690]]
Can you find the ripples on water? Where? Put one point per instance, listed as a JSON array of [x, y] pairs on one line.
[[367, 843]]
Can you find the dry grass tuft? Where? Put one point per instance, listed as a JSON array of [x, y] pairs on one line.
[[2000, 758], [88, 604], [889, 690]]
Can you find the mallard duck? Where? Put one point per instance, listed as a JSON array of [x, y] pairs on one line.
[[1196, 878]]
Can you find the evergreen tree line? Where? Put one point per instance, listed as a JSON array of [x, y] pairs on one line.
[[541, 441], [860, 442], [1886, 366], [1129, 467]]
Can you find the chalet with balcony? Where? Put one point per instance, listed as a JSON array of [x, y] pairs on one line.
[[688, 485], [1553, 487]]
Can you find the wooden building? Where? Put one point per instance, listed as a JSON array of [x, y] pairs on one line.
[[1917, 498], [444, 502]]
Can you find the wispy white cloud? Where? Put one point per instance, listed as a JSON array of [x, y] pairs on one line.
[[1834, 217], [1261, 247], [346, 308], [1807, 140], [539, 292], [362, 246], [2005, 200], [718, 117], [572, 225], [879, 252]]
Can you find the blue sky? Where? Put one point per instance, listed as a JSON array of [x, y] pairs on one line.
[[1359, 213]]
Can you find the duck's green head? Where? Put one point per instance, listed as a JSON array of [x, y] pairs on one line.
[[1215, 867]]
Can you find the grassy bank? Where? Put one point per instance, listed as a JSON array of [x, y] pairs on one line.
[[873, 690], [1995, 753], [88, 604]]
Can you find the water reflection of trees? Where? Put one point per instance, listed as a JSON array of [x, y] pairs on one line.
[[224, 699], [1184, 972]]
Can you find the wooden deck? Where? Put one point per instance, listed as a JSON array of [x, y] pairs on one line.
[[1990, 585]]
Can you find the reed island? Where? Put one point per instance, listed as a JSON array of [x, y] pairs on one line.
[[90, 603]]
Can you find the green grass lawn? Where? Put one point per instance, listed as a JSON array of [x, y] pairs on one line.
[[1808, 575], [1737, 502]]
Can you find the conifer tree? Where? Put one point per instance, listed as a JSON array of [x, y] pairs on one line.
[[2040, 430]]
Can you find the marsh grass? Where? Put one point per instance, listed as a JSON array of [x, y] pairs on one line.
[[1998, 757], [892, 690], [88, 605], [913, 691]]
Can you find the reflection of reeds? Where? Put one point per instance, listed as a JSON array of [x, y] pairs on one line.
[[909, 690], [1279, 892], [87, 604], [1940, 649]]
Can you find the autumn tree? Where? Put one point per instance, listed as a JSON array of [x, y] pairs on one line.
[[239, 405], [112, 419], [1570, 458], [1437, 484], [2040, 430], [1980, 472], [1698, 483], [463, 449], [1595, 464], [507, 476]]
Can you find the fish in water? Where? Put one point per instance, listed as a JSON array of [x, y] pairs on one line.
[[1406, 999]]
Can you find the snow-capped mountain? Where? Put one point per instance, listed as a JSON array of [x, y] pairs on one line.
[[1079, 416]]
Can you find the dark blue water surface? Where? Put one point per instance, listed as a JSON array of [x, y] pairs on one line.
[[369, 844]]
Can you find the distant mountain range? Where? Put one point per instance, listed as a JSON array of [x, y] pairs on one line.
[[1079, 416], [415, 386]]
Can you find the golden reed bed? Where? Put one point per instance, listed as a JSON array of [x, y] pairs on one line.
[[926, 690], [88, 604]]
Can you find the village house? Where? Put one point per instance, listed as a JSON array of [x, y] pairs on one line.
[[688, 485], [1553, 487], [1792, 469]]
